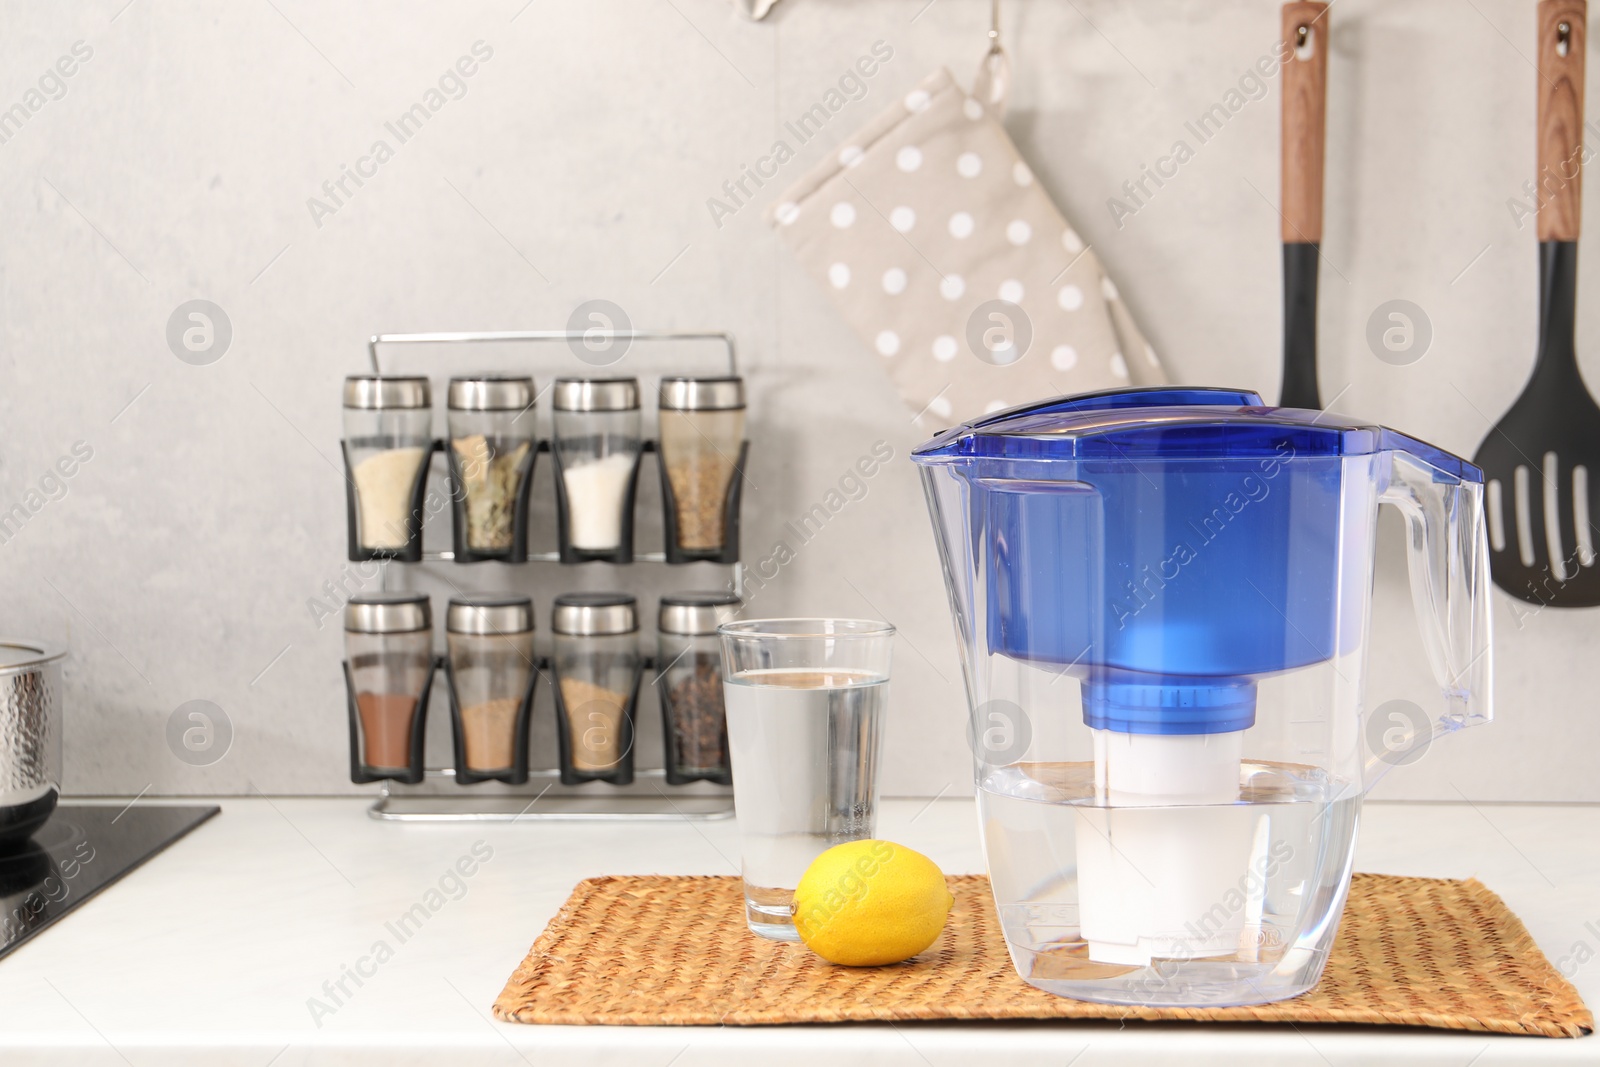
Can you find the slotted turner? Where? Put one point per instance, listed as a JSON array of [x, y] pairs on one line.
[[1539, 459]]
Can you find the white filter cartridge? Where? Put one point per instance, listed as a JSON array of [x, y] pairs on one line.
[[1161, 867]]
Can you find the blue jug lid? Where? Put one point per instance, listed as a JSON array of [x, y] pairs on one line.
[[1172, 422]]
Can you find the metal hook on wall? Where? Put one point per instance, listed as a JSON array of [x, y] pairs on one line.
[[754, 9], [992, 86]]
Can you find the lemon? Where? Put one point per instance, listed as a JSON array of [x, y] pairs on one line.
[[867, 903]]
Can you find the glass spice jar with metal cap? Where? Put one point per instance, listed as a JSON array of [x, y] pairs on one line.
[[492, 449], [388, 640], [702, 459], [597, 670], [388, 438], [492, 677], [694, 725], [596, 448]]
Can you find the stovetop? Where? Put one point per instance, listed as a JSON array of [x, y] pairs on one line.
[[81, 850]]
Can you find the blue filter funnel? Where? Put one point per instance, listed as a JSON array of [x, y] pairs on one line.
[[1167, 546]]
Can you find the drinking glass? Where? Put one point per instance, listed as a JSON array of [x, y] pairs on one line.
[[805, 706]]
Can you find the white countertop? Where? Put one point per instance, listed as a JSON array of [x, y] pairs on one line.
[[210, 953]]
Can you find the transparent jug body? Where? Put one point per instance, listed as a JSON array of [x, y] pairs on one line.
[[1164, 658]]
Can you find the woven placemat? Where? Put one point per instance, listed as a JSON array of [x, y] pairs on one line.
[[655, 951]]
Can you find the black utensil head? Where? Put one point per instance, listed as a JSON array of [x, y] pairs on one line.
[[1541, 468]]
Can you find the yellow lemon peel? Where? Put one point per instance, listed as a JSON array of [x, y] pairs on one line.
[[869, 903]]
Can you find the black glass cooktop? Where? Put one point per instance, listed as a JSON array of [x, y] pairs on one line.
[[80, 851]]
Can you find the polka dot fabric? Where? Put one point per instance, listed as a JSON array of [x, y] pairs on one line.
[[936, 221]]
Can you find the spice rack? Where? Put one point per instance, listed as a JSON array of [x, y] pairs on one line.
[[649, 795]]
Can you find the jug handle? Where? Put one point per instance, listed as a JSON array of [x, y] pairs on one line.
[[1447, 553]]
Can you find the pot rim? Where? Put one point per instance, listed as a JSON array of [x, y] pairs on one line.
[[45, 653]]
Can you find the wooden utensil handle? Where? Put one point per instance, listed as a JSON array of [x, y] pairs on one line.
[[1305, 97], [1560, 177]]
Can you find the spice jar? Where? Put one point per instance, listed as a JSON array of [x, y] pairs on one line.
[[693, 722], [597, 446], [597, 668], [702, 459], [491, 685], [388, 640], [491, 466], [388, 437]]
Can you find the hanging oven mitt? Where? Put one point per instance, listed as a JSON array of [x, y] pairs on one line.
[[931, 233]]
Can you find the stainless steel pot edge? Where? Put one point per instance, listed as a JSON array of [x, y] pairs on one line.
[[47, 652]]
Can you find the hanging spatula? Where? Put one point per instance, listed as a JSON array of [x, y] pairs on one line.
[[1538, 459], [1305, 96]]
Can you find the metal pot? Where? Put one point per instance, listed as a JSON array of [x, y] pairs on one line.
[[30, 736]]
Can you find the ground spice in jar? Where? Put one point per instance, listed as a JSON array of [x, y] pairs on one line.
[[489, 483], [384, 483], [697, 718], [594, 723], [386, 728], [700, 484], [490, 731], [597, 496]]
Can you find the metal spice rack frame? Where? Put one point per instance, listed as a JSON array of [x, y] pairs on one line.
[[648, 797]]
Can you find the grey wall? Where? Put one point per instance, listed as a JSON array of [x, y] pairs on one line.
[[180, 160]]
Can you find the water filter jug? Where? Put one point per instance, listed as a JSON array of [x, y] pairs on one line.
[[1162, 599]]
